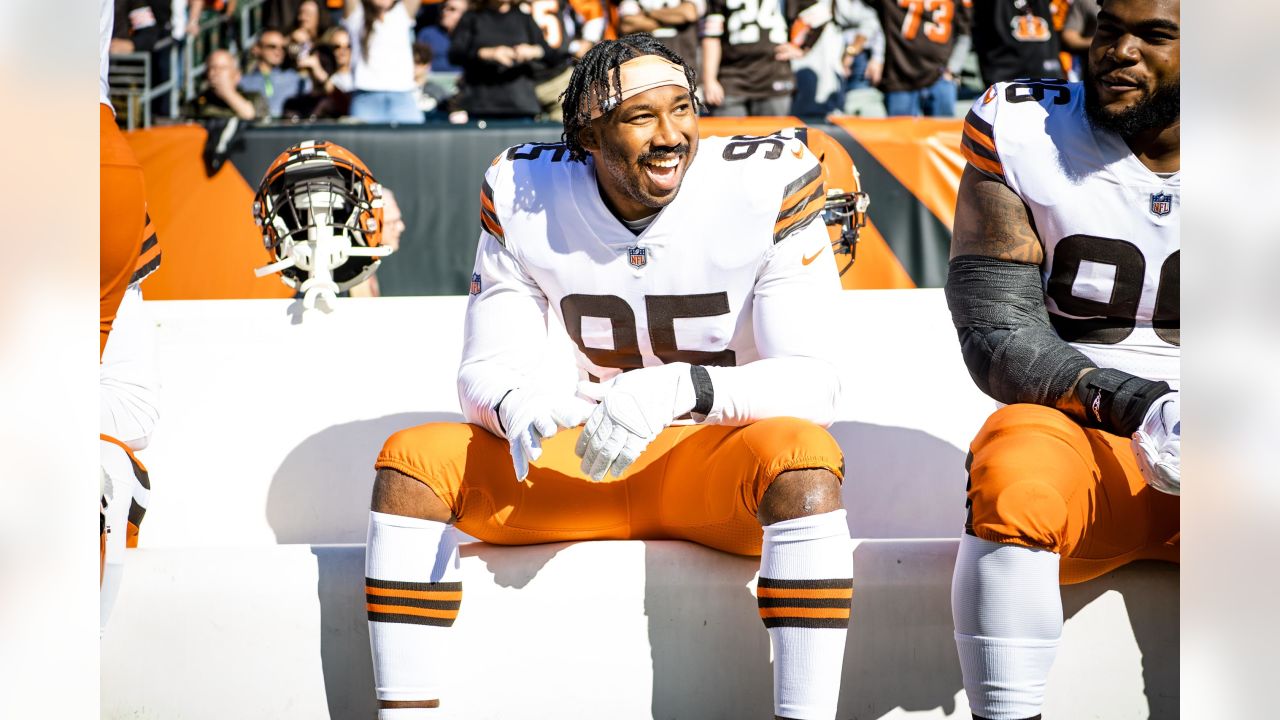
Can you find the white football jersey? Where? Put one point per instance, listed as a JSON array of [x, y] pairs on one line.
[[1109, 225], [744, 229]]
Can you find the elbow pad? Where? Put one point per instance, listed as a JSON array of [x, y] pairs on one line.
[[1011, 350]]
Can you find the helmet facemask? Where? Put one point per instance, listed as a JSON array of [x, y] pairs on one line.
[[320, 220], [848, 212]]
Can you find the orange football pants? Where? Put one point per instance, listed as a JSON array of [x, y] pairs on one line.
[[1040, 480], [701, 483], [121, 219]]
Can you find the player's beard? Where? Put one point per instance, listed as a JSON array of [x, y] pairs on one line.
[[627, 173], [1158, 108]]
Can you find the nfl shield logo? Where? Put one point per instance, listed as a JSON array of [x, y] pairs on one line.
[[638, 256], [475, 283], [1161, 203]]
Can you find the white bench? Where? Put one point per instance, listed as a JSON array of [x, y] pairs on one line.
[[245, 598]]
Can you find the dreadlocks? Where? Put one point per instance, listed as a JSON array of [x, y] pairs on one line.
[[596, 78]]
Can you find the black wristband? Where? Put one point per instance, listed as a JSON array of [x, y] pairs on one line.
[[1116, 401], [497, 410], [704, 393]]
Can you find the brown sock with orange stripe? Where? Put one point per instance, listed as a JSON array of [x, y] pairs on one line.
[[804, 593], [413, 589]]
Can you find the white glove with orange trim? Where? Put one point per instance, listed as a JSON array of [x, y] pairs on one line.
[[1157, 443], [635, 408], [529, 416]]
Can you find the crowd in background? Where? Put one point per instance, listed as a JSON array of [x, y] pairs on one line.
[[412, 61]]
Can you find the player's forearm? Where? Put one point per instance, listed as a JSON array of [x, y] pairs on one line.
[[1014, 354], [802, 387], [481, 386]]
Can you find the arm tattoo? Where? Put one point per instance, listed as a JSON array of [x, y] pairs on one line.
[[993, 221]]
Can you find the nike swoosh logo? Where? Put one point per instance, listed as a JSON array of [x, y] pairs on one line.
[[811, 258], [798, 152]]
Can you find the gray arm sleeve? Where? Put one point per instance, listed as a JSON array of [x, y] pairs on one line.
[[1012, 352]]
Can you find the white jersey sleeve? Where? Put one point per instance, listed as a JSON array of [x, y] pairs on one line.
[[506, 321], [794, 374]]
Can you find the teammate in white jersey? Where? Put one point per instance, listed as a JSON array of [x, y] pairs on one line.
[[691, 277], [1063, 287]]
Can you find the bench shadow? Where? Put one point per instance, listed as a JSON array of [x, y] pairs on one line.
[[319, 496], [901, 482], [320, 493], [704, 666], [1149, 589]]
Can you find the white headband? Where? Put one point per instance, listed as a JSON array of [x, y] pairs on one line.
[[638, 75]]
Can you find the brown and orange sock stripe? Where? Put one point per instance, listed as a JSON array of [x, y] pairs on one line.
[[805, 603], [413, 603]]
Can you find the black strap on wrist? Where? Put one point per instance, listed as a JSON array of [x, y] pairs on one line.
[[497, 410], [704, 393], [1116, 401]]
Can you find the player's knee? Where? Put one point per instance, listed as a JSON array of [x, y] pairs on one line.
[[1026, 512], [800, 493], [1026, 460], [801, 469], [411, 468], [396, 493], [1013, 503]]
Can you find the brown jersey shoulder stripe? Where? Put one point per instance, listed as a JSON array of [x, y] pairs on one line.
[[812, 211], [489, 214], [978, 145], [801, 203], [989, 167], [819, 191], [983, 128], [803, 181]]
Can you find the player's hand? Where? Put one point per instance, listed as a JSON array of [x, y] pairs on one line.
[[636, 408], [712, 92], [1158, 445], [529, 417]]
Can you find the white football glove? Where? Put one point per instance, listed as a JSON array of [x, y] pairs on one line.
[[530, 416], [636, 408], [1158, 445]]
